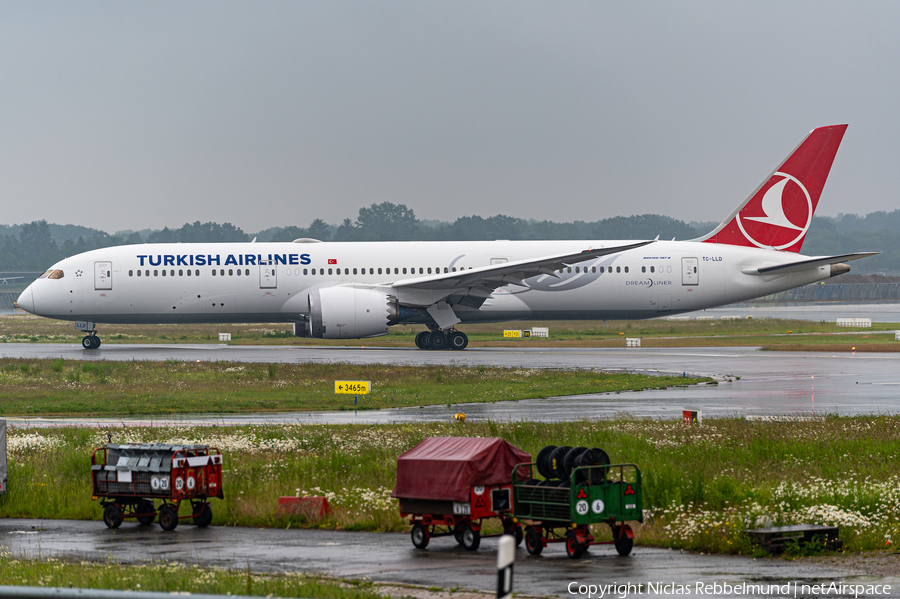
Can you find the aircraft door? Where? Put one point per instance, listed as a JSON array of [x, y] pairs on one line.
[[268, 278], [689, 272], [102, 275]]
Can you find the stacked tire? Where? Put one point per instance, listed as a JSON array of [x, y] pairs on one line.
[[556, 464]]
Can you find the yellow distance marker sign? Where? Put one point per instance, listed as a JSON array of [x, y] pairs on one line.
[[512, 333], [352, 387]]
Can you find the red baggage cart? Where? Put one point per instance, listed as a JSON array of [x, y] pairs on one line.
[[450, 485], [129, 480]]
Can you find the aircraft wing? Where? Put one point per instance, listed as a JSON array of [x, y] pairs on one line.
[[806, 264], [478, 283]]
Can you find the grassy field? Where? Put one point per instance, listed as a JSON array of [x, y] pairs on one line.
[[703, 485], [174, 578], [769, 333], [70, 388]]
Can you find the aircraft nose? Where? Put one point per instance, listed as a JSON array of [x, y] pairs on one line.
[[26, 300]]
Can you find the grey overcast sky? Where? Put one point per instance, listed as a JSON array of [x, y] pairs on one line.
[[126, 115]]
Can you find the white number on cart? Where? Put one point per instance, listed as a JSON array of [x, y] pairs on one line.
[[462, 508], [581, 507], [179, 483]]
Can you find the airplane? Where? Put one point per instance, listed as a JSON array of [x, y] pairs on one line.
[[357, 290]]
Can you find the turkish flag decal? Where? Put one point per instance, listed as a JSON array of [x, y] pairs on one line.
[[332, 261]]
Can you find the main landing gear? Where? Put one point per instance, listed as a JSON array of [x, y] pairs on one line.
[[438, 339]]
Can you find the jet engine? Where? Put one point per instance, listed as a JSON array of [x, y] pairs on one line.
[[348, 313]]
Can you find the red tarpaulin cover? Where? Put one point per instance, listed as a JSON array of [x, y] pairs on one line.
[[444, 468]]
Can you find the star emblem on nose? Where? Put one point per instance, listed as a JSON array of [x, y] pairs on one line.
[[78, 273]]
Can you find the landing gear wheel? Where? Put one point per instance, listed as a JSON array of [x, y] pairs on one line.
[[148, 510], [112, 516], [458, 340], [90, 342], [203, 515], [623, 542], [420, 536], [421, 340], [437, 340], [574, 549], [471, 538], [511, 528], [533, 541], [168, 518]]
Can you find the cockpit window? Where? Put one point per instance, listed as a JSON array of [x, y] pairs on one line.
[[56, 274], [46, 274]]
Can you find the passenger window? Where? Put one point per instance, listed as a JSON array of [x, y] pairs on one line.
[[329, 271], [577, 269], [155, 273], [601, 270], [652, 269], [618, 269], [180, 273], [305, 271], [372, 271], [230, 272], [164, 273], [214, 272], [569, 269], [643, 269], [626, 269], [454, 269], [239, 272], [404, 271], [222, 272], [247, 272], [130, 273], [147, 272], [138, 273], [593, 269], [354, 271], [379, 271], [445, 269], [396, 271], [189, 272]]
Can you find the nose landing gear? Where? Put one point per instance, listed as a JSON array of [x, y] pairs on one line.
[[438, 339], [90, 341]]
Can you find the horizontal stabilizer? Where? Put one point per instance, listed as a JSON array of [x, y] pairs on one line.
[[805, 264]]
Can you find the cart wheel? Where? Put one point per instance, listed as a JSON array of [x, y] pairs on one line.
[[420, 536], [573, 548], [533, 541], [146, 507], [543, 466], [168, 518], [511, 528], [624, 543], [471, 538], [203, 515], [457, 533], [112, 516]]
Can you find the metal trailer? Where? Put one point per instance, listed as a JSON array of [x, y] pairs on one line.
[[3, 471], [129, 479], [464, 520], [562, 512]]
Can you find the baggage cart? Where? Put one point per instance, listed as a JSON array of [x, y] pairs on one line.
[[130, 479], [449, 486], [556, 511]]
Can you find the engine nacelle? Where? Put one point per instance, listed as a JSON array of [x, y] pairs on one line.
[[348, 313]]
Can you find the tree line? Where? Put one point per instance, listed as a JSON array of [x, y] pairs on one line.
[[36, 245]]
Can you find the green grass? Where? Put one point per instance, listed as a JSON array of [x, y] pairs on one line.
[[175, 578], [654, 333], [703, 486], [76, 388]]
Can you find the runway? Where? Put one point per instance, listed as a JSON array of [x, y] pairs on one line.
[[751, 382], [390, 557]]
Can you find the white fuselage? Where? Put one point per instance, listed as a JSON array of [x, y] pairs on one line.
[[270, 282]]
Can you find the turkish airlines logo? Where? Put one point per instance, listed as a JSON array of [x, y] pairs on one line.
[[781, 217]]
